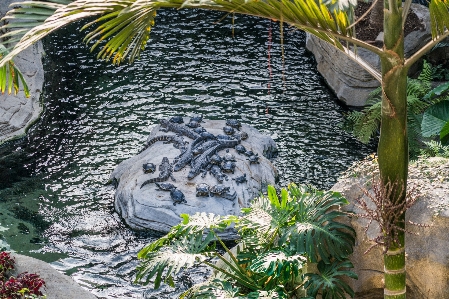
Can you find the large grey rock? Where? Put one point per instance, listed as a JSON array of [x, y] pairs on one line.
[[427, 252], [17, 112], [147, 208], [58, 285], [351, 83]]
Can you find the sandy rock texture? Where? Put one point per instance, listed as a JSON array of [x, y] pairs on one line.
[[427, 252], [149, 208], [17, 112]]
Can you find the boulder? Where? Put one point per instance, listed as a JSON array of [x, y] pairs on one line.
[[57, 285], [150, 208], [426, 248], [351, 83], [17, 112]]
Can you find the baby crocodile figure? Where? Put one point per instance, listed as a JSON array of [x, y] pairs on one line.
[[219, 190], [228, 130], [178, 129], [240, 149], [197, 118], [240, 179], [233, 123], [193, 124], [165, 172], [228, 166], [178, 141], [240, 135], [177, 196], [253, 159], [215, 170], [202, 189], [148, 168], [165, 186], [177, 119]]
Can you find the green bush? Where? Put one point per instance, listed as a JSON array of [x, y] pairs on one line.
[[424, 105], [290, 246]]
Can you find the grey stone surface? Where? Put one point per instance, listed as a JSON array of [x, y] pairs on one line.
[[427, 252], [144, 208], [17, 112], [58, 285], [351, 83]]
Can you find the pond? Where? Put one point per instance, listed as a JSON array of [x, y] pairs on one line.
[[55, 200]]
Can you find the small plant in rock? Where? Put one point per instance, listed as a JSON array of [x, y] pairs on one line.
[[289, 247], [24, 286]]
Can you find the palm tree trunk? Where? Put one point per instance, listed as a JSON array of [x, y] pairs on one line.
[[393, 143]]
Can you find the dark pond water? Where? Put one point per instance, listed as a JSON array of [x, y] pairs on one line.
[[55, 203]]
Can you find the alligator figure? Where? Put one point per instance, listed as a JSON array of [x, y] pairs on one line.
[[165, 172], [187, 156], [215, 171], [204, 147], [201, 162], [178, 129], [178, 142]]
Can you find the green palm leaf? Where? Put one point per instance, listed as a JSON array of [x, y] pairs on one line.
[[435, 118], [329, 281], [183, 253], [276, 267], [316, 231]]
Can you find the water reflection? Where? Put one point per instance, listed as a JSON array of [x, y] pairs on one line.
[[55, 181]]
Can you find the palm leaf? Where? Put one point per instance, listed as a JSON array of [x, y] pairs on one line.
[[276, 267], [435, 118], [439, 17], [329, 281], [183, 253], [315, 230]]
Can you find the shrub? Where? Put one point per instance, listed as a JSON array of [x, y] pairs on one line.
[[282, 240]]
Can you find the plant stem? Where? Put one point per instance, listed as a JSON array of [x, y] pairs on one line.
[[393, 143]]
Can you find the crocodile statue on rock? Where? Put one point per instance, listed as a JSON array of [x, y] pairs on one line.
[[178, 142], [178, 129], [165, 172]]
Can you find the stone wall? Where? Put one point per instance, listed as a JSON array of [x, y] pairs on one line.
[[17, 112], [351, 83]]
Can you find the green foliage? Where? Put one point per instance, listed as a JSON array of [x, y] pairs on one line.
[[436, 121], [435, 149], [279, 237], [420, 98]]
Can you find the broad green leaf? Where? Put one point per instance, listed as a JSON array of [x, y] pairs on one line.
[[444, 134], [434, 119]]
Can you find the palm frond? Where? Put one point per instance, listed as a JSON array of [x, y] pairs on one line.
[[183, 253], [328, 280], [276, 267], [439, 17], [10, 76], [316, 231]]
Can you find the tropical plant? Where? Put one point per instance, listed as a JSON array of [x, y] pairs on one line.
[[121, 29], [280, 238], [25, 285], [425, 111]]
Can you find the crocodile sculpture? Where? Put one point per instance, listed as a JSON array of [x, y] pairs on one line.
[[201, 162], [178, 142], [187, 156], [165, 172], [178, 129], [215, 171]]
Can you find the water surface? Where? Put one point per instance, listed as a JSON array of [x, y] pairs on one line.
[[54, 198]]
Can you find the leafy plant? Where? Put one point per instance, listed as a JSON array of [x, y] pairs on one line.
[[25, 285], [280, 238], [425, 107], [436, 121]]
